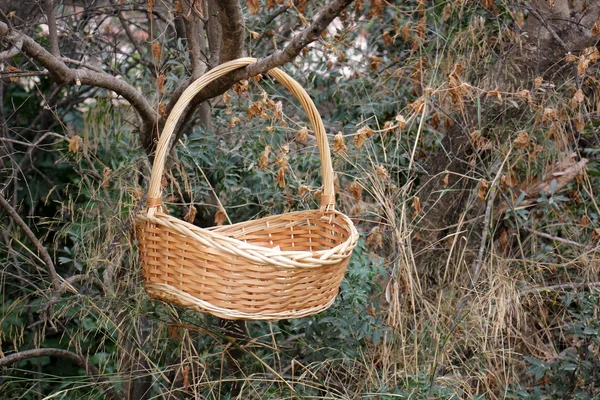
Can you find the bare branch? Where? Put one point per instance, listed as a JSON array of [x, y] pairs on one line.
[[12, 52], [62, 74], [551, 237], [67, 355], [40, 248], [52, 29]]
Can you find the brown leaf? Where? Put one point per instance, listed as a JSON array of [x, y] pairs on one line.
[[418, 105], [255, 108], [156, 51], [376, 10], [538, 82], [382, 173], [435, 121], [241, 86], [417, 205], [106, 177], [401, 122], [263, 161], [585, 221], [338, 143], [563, 173], [571, 57], [75, 144], [226, 97], [191, 214], [160, 81], [302, 135], [405, 32], [596, 28], [375, 63], [483, 189], [356, 190], [220, 217], [446, 181], [281, 177], [253, 6], [495, 93], [375, 238], [388, 39], [578, 98], [447, 11], [524, 94], [162, 110], [302, 190], [234, 121], [360, 138], [522, 140]]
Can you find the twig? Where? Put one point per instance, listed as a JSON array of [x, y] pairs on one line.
[[551, 237], [68, 355], [41, 249], [559, 287], [537, 16], [22, 74]]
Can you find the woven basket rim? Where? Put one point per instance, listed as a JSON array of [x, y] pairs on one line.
[[212, 232]]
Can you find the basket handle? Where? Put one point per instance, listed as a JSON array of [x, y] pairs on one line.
[[155, 191]]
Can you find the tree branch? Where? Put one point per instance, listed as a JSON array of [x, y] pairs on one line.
[[52, 29], [287, 54], [62, 74], [40, 248], [67, 355], [232, 24]]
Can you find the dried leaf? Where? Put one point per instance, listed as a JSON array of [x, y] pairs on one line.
[[234, 121], [241, 86], [375, 238], [282, 160], [578, 98], [75, 144], [382, 173], [302, 190], [446, 181], [563, 173], [571, 57], [302, 135], [417, 205], [359, 140], [156, 51], [253, 6], [191, 214], [281, 177], [263, 161], [254, 34], [338, 143], [538, 82], [483, 189], [226, 97], [447, 11], [106, 177], [375, 63], [522, 140], [495, 93], [160, 81], [220, 217], [356, 190], [162, 110], [255, 108], [388, 39], [435, 121], [376, 10], [418, 105], [401, 122], [405, 31], [596, 28], [585, 221], [524, 94]]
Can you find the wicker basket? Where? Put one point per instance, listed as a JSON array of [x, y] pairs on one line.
[[279, 267]]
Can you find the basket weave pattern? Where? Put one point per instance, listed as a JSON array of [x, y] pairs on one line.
[[283, 266]]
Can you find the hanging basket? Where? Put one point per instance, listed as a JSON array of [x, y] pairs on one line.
[[279, 267]]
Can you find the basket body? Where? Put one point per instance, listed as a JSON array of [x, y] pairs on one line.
[[285, 266]]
